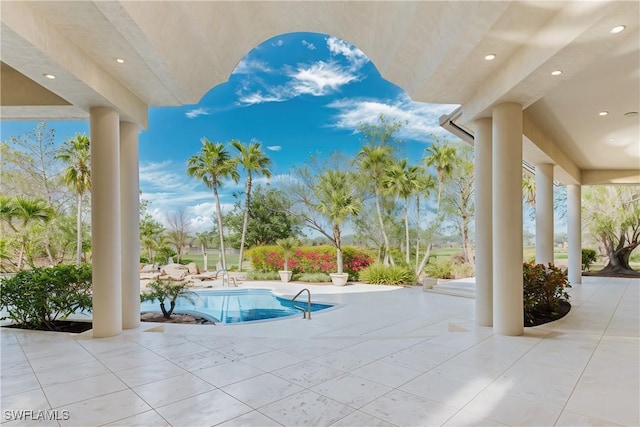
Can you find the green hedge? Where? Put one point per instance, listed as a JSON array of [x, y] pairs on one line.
[[379, 274], [37, 298], [314, 259]]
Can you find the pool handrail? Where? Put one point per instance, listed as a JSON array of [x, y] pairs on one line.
[[308, 310]]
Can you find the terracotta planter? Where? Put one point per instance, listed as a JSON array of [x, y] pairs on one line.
[[285, 276], [339, 279]]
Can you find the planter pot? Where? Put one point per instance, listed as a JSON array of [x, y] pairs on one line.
[[339, 279], [285, 276], [428, 283]]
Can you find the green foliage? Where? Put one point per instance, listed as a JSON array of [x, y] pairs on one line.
[[315, 259], [440, 269], [163, 290], [379, 274], [544, 288], [589, 256], [312, 278], [287, 245], [263, 275], [39, 297]]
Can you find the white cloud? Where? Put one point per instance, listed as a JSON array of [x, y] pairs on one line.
[[355, 56], [250, 66], [192, 114], [274, 147], [423, 119], [309, 45], [320, 78]]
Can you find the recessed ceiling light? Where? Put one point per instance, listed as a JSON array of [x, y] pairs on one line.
[[49, 76], [603, 113], [556, 72], [120, 60], [490, 57], [618, 29]]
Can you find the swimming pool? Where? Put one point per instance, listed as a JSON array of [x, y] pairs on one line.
[[237, 305]]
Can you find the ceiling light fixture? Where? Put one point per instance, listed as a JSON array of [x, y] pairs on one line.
[[556, 72], [631, 114], [490, 57], [618, 29], [119, 60], [49, 76], [603, 113]]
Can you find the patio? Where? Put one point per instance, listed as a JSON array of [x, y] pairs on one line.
[[388, 357]]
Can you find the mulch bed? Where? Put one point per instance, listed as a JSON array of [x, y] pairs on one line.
[[186, 319], [542, 317], [69, 326]]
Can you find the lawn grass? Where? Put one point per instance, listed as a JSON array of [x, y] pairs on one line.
[[232, 260]]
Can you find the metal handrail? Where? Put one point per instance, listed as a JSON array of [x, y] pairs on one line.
[[225, 273], [308, 310]]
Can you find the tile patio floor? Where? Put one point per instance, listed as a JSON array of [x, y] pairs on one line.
[[390, 357]]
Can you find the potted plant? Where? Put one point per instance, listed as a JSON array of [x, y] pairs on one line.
[[337, 201], [287, 246]]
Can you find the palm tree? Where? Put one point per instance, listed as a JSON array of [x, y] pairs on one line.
[[213, 164], [528, 189], [426, 183], [373, 161], [336, 201], [76, 154], [401, 179], [28, 211], [442, 156], [253, 160]]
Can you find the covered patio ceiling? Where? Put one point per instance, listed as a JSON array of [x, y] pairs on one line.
[[174, 52]]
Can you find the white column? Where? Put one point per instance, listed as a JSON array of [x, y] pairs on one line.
[[544, 214], [507, 219], [130, 230], [105, 222], [574, 231], [483, 223]]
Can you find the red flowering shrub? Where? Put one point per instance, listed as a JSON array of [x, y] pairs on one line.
[[315, 259]]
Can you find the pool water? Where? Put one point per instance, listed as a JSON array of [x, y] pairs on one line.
[[237, 305]]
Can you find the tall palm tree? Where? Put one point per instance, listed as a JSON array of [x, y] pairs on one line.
[[28, 211], [401, 180], [76, 153], [213, 164], [373, 161], [426, 183], [442, 156], [337, 201], [253, 160]]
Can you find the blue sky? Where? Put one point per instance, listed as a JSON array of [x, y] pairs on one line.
[[298, 94]]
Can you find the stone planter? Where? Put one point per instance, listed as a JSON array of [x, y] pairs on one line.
[[428, 283], [285, 276], [339, 279]]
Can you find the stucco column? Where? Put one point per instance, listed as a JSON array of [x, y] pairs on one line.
[[483, 222], [574, 231], [105, 222], [507, 219], [544, 213], [130, 230]]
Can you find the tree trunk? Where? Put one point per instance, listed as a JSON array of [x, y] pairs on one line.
[[79, 231], [466, 243], [425, 259], [619, 261], [406, 232], [387, 256], [220, 231], [417, 230], [338, 242], [245, 221]]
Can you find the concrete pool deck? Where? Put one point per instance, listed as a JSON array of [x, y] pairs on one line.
[[385, 356]]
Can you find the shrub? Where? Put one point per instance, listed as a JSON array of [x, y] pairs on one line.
[[460, 271], [262, 275], [315, 259], [37, 298], [144, 260], [440, 268], [589, 256], [162, 290], [544, 288], [379, 274], [313, 277]]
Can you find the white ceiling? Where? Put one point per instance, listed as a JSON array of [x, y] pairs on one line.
[[176, 51]]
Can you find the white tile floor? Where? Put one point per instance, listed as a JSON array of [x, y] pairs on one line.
[[384, 357]]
